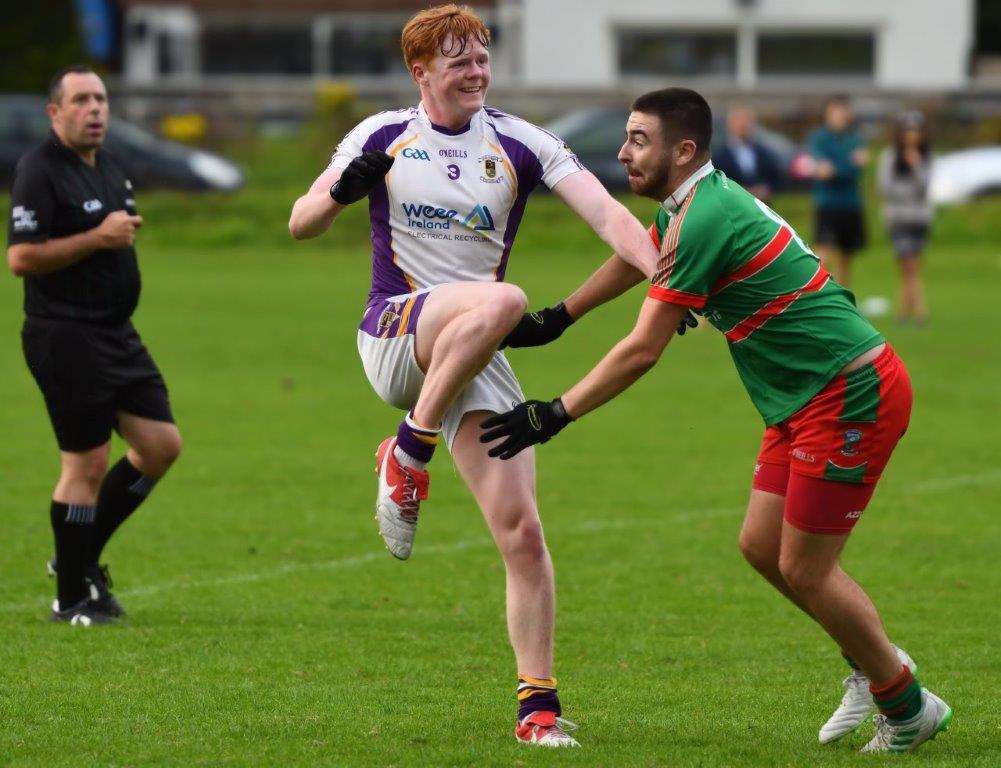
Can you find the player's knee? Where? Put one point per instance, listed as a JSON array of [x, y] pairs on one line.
[[170, 448], [509, 302], [87, 470], [803, 577], [524, 541], [760, 555], [158, 455]]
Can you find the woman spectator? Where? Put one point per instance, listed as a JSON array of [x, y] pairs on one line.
[[904, 175]]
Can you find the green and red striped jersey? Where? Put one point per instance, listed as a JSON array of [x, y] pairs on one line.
[[789, 326]]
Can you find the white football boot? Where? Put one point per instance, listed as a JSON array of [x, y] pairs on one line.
[[857, 703], [545, 729], [908, 735], [398, 502]]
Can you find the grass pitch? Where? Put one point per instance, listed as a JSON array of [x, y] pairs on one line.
[[269, 627]]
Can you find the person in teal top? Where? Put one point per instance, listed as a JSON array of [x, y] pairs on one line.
[[839, 156]]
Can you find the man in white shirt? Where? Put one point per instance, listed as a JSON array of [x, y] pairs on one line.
[[447, 182]]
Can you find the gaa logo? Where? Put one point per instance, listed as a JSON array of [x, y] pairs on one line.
[[416, 154], [852, 439]]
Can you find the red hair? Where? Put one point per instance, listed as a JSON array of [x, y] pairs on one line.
[[427, 33]]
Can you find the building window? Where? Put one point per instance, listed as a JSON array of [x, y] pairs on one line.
[[366, 49], [812, 54], [692, 53], [280, 50]]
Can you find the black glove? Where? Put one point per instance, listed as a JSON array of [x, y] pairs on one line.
[[526, 424], [360, 177], [688, 321], [538, 328]]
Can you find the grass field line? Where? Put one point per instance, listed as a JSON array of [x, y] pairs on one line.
[[989, 477], [353, 561], [586, 527]]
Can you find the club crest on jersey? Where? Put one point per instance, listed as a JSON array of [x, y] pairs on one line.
[[92, 206], [387, 318], [852, 439], [491, 165]]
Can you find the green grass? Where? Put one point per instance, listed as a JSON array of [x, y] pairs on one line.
[[269, 627]]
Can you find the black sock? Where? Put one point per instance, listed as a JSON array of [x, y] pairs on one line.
[[72, 526], [123, 490]]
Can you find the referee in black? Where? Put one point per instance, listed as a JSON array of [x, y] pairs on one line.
[[72, 227]]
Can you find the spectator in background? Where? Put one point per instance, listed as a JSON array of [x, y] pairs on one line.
[[745, 160], [904, 175], [839, 156]]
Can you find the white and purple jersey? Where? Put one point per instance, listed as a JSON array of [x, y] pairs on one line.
[[450, 206]]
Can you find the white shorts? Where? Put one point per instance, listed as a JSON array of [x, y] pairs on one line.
[[386, 346]]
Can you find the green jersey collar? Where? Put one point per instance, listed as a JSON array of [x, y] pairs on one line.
[[673, 201]]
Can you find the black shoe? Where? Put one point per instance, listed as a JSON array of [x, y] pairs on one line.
[[98, 579], [83, 614]]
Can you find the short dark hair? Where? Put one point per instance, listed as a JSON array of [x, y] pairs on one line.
[[838, 100], [683, 113], [56, 83]]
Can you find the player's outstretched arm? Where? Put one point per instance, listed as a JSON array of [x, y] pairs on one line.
[[333, 191], [536, 421], [612, 279], [610, 220]]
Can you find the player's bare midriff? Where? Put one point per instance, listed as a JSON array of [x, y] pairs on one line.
[[864, 359]]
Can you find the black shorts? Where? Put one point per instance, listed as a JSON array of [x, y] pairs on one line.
[[841, 228], [908, 239], [87, 374]]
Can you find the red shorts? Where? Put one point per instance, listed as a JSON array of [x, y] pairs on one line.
[[826, 458]]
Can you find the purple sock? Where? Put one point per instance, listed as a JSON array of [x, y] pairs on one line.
[[416, 441], [537, 695]]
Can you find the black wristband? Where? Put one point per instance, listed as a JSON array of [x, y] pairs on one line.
[[335, 187], [560, 410], [563, 313]]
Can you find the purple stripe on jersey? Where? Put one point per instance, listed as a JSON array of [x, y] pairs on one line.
[[387, 278], [528, 169], [493, 112]]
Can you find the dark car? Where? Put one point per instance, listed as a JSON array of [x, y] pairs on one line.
[[596, 135], [149, 161]]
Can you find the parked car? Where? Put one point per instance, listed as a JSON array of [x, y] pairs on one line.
[[596, 135], [957, 177], [148, 160]]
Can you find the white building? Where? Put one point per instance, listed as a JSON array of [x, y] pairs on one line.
[[882, 44], [921, 45]]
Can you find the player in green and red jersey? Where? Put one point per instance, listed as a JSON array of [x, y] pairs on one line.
[[834, 397]]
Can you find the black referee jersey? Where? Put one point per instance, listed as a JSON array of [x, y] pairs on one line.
[[56, 194]]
